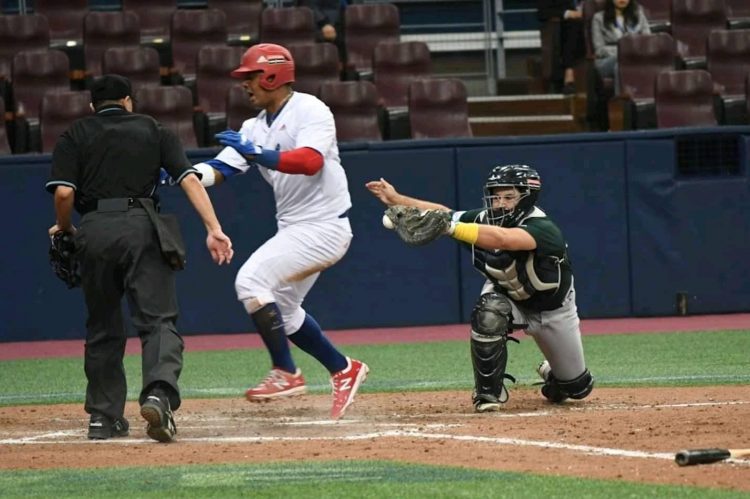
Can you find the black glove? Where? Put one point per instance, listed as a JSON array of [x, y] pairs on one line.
[[63, 260]]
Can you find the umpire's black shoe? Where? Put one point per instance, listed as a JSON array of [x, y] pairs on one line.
[[102, 427], [158, 414]]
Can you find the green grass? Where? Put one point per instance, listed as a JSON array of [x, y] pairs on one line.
[[695, 358], [335, 479]]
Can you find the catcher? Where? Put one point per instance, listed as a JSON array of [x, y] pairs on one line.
[[529, 284]]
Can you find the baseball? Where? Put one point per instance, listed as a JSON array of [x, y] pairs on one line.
[[387, 222]]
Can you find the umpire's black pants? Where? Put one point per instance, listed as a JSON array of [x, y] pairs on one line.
[[119, 255]]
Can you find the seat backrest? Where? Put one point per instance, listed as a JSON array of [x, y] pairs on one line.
[[238, 107], [102, 30], [65, 18], [738, 9], [729, 59], [366, 25], [692, 21], [287, 25], [684, 98], [243, 17], [354, 105], [656, 11], [154, 16], [747, 93], [4, 144], [314, 63], [17, 33], [193, 29], [438, 109], [395, 65], [212, 77], [172, 106], [640, 58], [590, 8], [34, 73], [58, 110], [139, 64]]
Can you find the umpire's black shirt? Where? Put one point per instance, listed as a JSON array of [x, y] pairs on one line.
[[115, 154]]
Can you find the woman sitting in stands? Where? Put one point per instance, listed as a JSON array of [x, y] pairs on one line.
[[619, 18]]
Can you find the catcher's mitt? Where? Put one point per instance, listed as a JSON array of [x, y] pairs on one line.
[[417, 227], [63, 260]]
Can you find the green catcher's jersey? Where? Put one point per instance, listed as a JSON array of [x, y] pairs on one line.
[[536, 280]]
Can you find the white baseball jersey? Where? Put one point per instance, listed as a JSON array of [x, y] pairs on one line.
[[304, 121]]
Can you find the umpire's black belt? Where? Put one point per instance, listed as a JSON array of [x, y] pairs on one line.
[[119, 204]]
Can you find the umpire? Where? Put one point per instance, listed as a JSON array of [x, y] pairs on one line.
[[107, 166]]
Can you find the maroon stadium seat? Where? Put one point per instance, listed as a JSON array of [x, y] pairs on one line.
[[355, 108], [684, 98], [438, 109], [315, 64], [102, 30]]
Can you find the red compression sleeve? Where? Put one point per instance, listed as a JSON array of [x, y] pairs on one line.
[[304, 160]]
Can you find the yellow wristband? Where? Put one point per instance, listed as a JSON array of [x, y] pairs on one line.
[[468, 233]]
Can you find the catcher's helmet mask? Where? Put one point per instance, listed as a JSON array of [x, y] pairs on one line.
[[525, 180], [274, 62]]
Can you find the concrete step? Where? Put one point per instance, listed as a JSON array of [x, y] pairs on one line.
[[520, 105], [488, 126]]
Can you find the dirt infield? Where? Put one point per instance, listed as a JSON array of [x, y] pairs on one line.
[[628, 434]]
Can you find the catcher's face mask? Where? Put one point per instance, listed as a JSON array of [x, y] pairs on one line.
[[501, 204]]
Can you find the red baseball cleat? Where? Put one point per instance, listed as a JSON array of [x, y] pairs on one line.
[[345, 384], [277, 384]]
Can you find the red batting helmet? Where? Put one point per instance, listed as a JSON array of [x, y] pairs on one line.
[[274, 61]]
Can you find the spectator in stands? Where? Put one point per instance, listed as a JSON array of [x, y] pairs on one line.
[[329, 18], [572, 48], [619, 18]]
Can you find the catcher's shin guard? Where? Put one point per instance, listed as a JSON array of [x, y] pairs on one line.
[[490, 321]]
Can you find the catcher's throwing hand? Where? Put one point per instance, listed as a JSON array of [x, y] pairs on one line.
[[416, 227]]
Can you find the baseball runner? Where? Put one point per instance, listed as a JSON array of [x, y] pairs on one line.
[[292, 143], [529, 283]]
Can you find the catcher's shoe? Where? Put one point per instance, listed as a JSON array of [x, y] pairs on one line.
[[490, 403], [345, 384], [278, 383], [102, 427], [158, 414]]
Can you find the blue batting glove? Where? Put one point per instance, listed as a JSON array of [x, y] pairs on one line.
[[233, 139], [165, 178]]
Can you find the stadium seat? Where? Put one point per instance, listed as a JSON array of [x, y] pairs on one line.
[[438, 109], [243, 19], [684, 98], [395, 65], [139, 64], [355, 109], [657, 12], [287, 25], [692, 21], [58, 110], [192, 30], [238, 107], [366, 25], [65, 19], [172, 106], [102, 30], [155, 17], [640, 58], [315, 63], [212, 82], [738, 14], [4, 143], [34, 73], [598, 90], [728, 56], [17, 33]]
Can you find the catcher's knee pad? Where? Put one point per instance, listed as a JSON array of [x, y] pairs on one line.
[[579, 388], [490, 318]]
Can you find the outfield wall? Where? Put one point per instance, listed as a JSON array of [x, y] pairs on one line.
[[641, 227]]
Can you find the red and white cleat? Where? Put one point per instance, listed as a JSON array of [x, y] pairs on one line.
[[277, 384], [345, 384]]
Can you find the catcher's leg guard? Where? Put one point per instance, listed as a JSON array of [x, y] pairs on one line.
[[490, 321], [557, 391]]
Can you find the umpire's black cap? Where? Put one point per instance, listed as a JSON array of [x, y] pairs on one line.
[[110, 87]]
